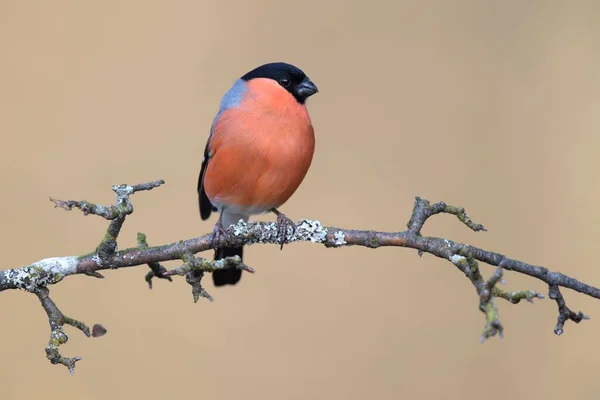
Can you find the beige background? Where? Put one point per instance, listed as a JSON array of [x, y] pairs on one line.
[[489, 105]]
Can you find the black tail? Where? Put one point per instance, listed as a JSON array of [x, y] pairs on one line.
[[229, 276]]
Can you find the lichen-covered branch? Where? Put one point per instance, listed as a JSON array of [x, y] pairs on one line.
[[57, 334], [193, 269], [36, 277]]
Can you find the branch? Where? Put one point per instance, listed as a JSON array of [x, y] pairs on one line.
[[57, 335], [564, 313], [156, 269], [36, 277]]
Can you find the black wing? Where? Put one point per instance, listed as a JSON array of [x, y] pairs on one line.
[[206, 206]]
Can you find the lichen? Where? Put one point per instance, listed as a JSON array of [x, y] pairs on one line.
[[457, 259], [340, 239], [268, 232], [311, 230], [42, 273], [96, 259], [142, 239]]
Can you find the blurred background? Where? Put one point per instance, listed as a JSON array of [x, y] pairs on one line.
[[488, 105]]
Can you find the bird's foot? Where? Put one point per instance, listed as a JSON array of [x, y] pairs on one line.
[[219, 232], [283, 223]]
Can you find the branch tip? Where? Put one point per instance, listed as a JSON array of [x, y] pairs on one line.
[[516, 297], [422, 210], [194, 278], [564, 313], [58, 336], [94, 274]]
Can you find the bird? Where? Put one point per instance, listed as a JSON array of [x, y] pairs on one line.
[[259, 149]]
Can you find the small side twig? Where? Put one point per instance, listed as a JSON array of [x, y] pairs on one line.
[[115, 213], [422, 210], [464, 260], [58, 336], [194, 268], [487, 305], [156, 268], [516, 297], [564, 312]]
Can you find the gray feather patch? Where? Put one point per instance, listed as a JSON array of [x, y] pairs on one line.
[[231, 99]]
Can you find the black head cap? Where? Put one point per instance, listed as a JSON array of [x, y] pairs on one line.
[[288, 76]]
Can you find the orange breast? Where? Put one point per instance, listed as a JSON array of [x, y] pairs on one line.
[[261, 150]]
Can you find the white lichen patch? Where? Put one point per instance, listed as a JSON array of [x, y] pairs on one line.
[[58, 265], [42, 273], [268, 232], [311, 230], [18, 277], [102, 210], [456, 259], [97, 260], [123, 192], [240, 228], [340, 238]]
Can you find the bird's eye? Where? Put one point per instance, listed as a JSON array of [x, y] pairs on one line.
[[285, 82]]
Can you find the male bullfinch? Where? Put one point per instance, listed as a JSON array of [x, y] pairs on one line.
[[260, 147]]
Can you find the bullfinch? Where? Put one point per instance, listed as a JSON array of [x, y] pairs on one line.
[[260, 147]]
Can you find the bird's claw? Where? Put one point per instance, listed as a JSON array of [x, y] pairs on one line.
[[219, 231], [282, 224]]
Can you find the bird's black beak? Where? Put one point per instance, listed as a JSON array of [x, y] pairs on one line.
[[306, 88]]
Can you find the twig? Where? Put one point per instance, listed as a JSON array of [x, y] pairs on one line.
[[38, 276], [564, 312], [156, 269], [57, 334]]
